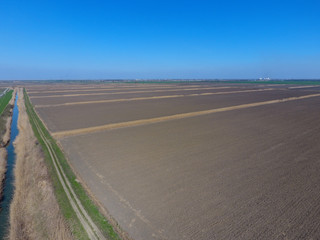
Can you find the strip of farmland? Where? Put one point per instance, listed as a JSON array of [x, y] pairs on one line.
[[64, 87], [108, 89], [174, 117], [128, 92], [51, 101], [152, 98], [62, 118]]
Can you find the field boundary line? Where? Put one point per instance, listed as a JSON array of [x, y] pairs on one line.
[[134, 123], [295, 87], [151, 98]]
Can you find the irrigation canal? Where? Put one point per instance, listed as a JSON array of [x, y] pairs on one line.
[[9, 178]]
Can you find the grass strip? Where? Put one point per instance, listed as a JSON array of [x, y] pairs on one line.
[[67, 210], [4, 100]]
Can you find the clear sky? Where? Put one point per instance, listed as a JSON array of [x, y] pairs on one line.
[[159, 39]]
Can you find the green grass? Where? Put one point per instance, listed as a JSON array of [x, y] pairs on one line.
[[66, 208], [4, 100]]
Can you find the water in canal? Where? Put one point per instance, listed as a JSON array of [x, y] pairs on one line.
[[9, 179]]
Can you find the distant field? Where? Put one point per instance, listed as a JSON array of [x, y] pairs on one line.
[[247, 169]]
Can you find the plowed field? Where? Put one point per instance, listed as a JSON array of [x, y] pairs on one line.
[[242, 173]]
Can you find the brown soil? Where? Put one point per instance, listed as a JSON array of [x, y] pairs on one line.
[[152, 98], [230, 166], [126, 92], [245, 174], [173, 117], [65, 118], [103, 89], [46, 101]]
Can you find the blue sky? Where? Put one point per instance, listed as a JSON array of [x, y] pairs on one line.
[[159, 39]]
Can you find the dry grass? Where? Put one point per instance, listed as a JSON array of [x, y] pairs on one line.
[[13, 97], [3, 168], [6, 136], [34, 211]]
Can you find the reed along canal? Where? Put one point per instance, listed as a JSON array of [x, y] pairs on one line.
[[9, 178]]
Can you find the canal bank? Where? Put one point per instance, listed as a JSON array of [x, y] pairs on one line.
[[9, 177]]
